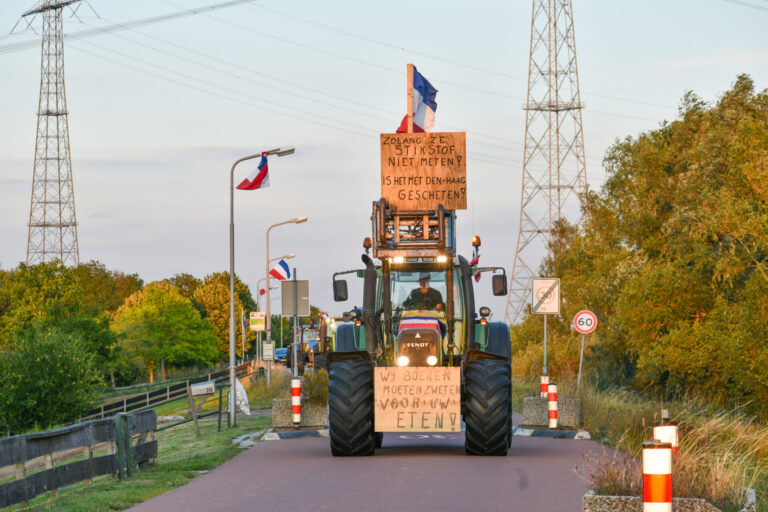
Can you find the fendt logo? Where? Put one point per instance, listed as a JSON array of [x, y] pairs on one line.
[[417, 345]]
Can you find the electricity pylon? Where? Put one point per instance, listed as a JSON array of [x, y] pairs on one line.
[[554, 171], [52, 220]]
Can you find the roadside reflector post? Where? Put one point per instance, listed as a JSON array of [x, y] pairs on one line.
[[657, 476], [667, 433], [296, 401], [544, 384], [552, 404]]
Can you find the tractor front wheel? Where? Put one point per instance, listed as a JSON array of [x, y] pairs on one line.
[[350, 408], [487, 398]]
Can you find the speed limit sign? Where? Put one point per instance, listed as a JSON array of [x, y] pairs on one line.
[[585, 322]]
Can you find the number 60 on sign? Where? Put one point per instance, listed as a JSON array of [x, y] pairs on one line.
[[585, 322]]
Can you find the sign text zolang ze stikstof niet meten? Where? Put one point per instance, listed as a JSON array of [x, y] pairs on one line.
[[420, 171]]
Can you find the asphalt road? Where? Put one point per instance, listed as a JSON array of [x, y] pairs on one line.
[[409, 473]]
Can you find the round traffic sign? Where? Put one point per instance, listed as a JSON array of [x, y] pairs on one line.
[[585, 322]]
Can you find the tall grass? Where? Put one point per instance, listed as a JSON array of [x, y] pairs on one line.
[[260, 395], [722, 453]]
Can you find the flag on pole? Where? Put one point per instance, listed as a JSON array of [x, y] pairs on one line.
[[473, 265], [258, 178], [424, 105], [280, 271], [245, 323]]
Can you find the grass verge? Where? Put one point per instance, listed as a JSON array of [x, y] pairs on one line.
[[722, 453], [180, 458]]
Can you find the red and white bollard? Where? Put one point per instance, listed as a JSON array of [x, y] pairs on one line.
[[544, 384], [552, 404], [657, 476], [296, 400], [667, 433]]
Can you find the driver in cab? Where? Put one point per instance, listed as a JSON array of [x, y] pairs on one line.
[[425, 297]]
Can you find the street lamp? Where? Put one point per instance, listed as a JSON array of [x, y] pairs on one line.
[[297, 220], [232, 388]]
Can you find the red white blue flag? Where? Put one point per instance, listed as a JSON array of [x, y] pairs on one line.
[[280, 271], [424, 105], [419, 323], [473, 265], [258, 178]]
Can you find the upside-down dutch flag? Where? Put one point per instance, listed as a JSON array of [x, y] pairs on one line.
[[473, 266], [419, 323], [424, 105], [280, 271], [258, 178]]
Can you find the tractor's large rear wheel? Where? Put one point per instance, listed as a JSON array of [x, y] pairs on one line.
[[350, 408], [487, 397]]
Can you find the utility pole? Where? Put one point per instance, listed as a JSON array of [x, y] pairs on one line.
[[52, 221], [554, 170]]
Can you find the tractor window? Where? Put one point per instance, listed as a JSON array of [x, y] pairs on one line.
[[409, 294]]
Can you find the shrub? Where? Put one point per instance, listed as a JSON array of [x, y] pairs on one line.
[[46, 378], [314, 385]]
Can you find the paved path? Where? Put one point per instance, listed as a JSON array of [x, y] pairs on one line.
[[407, 474]]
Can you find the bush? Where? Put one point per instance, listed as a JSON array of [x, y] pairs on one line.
[[314, 385], [46, 378]]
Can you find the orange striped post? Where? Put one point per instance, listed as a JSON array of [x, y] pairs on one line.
[[657, 476], [552, 404], [544, 384], [296, 400], [667, 433]]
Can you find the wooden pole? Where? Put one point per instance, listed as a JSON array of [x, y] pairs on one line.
[[192, 409], [410, 98], [21, 472]]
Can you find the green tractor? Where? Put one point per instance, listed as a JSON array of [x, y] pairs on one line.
[[419, 356]]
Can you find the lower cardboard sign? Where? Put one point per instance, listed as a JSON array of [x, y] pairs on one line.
[[423, 399]]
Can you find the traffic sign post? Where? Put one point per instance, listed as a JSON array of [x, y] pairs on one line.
[[585, 322], [545, 299], [268, 352]]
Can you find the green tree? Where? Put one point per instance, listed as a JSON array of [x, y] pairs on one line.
[[103, 289], [48, 296], [159, 327], [213, 296], [672, 256], [48, 377]]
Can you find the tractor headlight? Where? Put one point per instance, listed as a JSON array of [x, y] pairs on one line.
[[432, 360], [402, 361]]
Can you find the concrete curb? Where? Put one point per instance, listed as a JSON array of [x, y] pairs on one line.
[[552, 434], [271, 435]]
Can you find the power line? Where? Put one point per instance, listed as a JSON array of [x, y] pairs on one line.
[[745, 4], [433, 57], [293, 94], [23, 45]]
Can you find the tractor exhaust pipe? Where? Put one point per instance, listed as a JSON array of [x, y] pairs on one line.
[[370, 320]]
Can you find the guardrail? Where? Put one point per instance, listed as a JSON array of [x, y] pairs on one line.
[[148, 399], [76, 445]]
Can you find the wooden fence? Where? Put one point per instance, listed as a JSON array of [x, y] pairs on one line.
[[125, 441], [169, 393]]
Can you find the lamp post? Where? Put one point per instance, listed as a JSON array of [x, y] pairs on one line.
[[232, 388], [259, 348], [297, 220]]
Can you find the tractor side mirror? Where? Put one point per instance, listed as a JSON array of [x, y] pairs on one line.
[[499, 283], [340, 290]]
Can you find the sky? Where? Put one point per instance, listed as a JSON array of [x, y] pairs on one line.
[[159, 112]]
